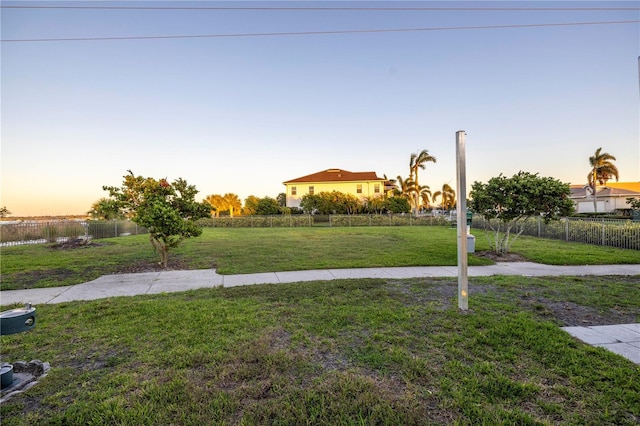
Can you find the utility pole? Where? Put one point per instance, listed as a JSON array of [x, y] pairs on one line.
[[461, 217]]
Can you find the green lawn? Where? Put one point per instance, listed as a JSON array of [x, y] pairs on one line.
[[251, 250], [352, 352]]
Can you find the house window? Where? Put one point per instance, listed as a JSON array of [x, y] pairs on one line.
[[376, 188], [311, 190], [294, 190], [359, 188]]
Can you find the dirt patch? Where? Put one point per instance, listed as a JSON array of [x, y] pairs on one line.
[[175, 263], [507, 257], [573, 314], [441, 294], [75, 243]]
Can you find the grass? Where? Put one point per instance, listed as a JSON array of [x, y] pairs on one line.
[[252, 250], [352, 352]]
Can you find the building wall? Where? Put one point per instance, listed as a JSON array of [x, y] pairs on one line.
[[303, 188], [605, 205], [587, 206]]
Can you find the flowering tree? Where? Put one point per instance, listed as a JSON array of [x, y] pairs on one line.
[[168, 210], [503, 202]]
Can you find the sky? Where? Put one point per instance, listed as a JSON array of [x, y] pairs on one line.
[[247, 107]]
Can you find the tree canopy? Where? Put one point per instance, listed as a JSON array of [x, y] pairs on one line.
[[503, 202], [105, 209], [168, 210], [228, 203]]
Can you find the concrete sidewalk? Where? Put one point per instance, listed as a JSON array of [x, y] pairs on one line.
[[173, 281], [623, 339]]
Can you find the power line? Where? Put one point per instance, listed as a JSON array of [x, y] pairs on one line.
[[298, 33], [276, 8]]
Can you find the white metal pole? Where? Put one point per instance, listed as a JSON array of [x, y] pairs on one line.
[[461, 210]]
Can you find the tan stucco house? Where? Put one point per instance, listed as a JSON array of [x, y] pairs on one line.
[[609, 198], [361, 184]]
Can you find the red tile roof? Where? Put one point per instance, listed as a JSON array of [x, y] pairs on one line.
[[336, 175]]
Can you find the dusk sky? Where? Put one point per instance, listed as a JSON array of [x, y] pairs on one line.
[[240, 112]]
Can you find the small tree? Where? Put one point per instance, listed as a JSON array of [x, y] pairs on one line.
[[634, 203], [282, 199], [105, 209], [168, 211], [397, 205], [250, 205], [4, 212], [268, 206], [503, 202]]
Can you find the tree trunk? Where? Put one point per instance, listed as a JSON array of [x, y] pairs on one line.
[[595, 203], [162, 249], [164, 256]]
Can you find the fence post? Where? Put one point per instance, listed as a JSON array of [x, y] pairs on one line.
[[566, 229], [603, 232], [539, 220]]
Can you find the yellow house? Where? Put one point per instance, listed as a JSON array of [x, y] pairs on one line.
[[361, 184]]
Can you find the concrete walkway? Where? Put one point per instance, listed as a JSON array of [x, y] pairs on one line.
[[623, 339]]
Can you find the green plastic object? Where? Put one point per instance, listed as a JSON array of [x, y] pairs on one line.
[[469, 218], [17, 320], [6, 375]]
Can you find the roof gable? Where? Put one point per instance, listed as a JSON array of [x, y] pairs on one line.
[[336, 175], [611, 189]]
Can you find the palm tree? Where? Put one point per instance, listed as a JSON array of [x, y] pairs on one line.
[[417, 161], [602, 169], [406, 188], [448, 196], [425, 194]]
